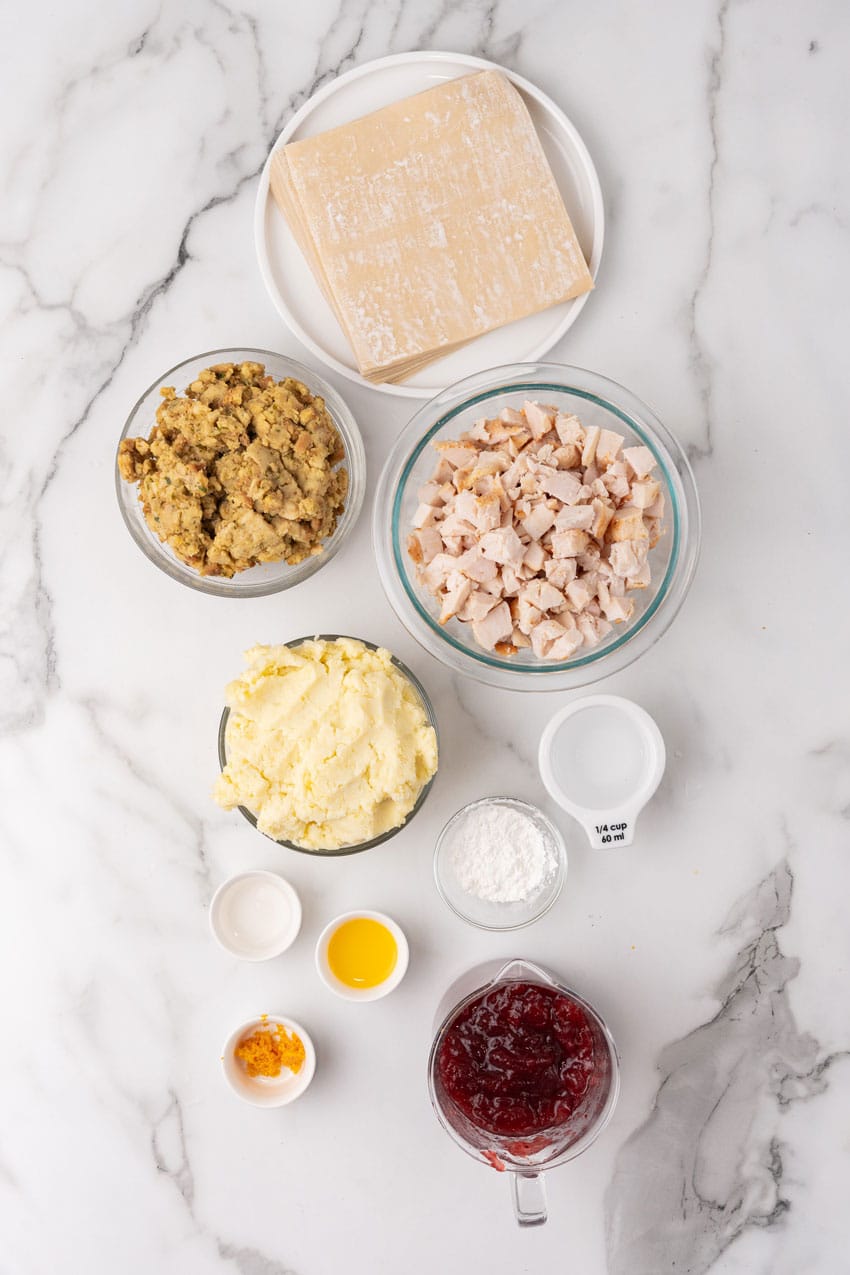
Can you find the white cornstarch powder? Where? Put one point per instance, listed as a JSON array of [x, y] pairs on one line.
[[500, 855]]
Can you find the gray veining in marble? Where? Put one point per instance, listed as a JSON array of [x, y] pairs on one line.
[[708, 1162]]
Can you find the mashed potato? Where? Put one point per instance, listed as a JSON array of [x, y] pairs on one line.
[[328, 743]]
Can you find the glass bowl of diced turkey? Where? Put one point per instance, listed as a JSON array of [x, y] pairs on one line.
[[536, 527]]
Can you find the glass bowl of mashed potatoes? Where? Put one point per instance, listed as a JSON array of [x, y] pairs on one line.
[[240, 472], [328, 744]]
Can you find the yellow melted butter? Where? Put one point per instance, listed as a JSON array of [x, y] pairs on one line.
[[362, 952]]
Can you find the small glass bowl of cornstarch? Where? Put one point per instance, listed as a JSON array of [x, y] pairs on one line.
[[500, 863]]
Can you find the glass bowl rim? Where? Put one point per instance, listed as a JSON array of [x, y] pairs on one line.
[[354, 459], [539, 816], [340, 851]]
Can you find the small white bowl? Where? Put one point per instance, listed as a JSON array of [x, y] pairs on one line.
[[268, 1091], [255, 915], [601, 758], [366, 993]]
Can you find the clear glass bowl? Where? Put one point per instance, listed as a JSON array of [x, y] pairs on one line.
[[420, 800], [270, 577], [483, 913], [597, 401]]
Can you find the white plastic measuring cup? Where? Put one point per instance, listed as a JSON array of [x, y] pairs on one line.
[[601, 758]]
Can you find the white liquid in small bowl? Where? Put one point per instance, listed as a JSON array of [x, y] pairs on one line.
[[255, 915]]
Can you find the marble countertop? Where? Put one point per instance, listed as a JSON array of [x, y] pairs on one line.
[[717, 948]]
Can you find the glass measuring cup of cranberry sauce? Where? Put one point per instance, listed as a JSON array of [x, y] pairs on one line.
[[524, 1075]]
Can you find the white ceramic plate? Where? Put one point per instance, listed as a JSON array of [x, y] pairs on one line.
[[290, 282]]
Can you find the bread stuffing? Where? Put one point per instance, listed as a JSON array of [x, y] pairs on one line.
[[239, 470], [535, 531]]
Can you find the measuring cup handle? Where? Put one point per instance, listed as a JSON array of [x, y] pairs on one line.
[[529, 1194]]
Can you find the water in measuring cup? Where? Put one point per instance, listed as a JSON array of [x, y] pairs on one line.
[[599, 757]]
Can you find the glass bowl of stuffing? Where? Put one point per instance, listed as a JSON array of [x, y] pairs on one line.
[[328, 745], [536, 527], [240, 472]]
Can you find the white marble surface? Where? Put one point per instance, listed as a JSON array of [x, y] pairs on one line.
[[717, 948]]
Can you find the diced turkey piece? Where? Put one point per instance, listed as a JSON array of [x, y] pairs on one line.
[[560, 571], [626, 524], [425, 516], [608, 447], [582, 590], [645, 492], [618, 610], [456, 454], [515, 444], [568, 457], [538, 521], [641, 461], [511, 416], [520, 640], [589, 558], [484, 513], [481, 431], [454, 525], [477, 605], [563, 648], [547, 633], [574, 518], [640, 579], [591, 441], [602, 514], [628, 556], [503, 545], [543, 595], [464, 505], [511, 477], [510, 581], [423, 546], [438, 570], [560, 483], [615, 482], [656, 509], [485, 464], [475, 566], [495, 627], [534, 557], [593, 628], [527, 615], [443, 472], [569, 429], [568, 544], [430, 494], [458, 589], [539, 420]]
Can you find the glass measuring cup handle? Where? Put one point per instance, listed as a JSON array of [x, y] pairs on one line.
[[529, 1196]]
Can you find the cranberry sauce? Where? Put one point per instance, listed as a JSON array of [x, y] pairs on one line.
[[523, 1058]]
